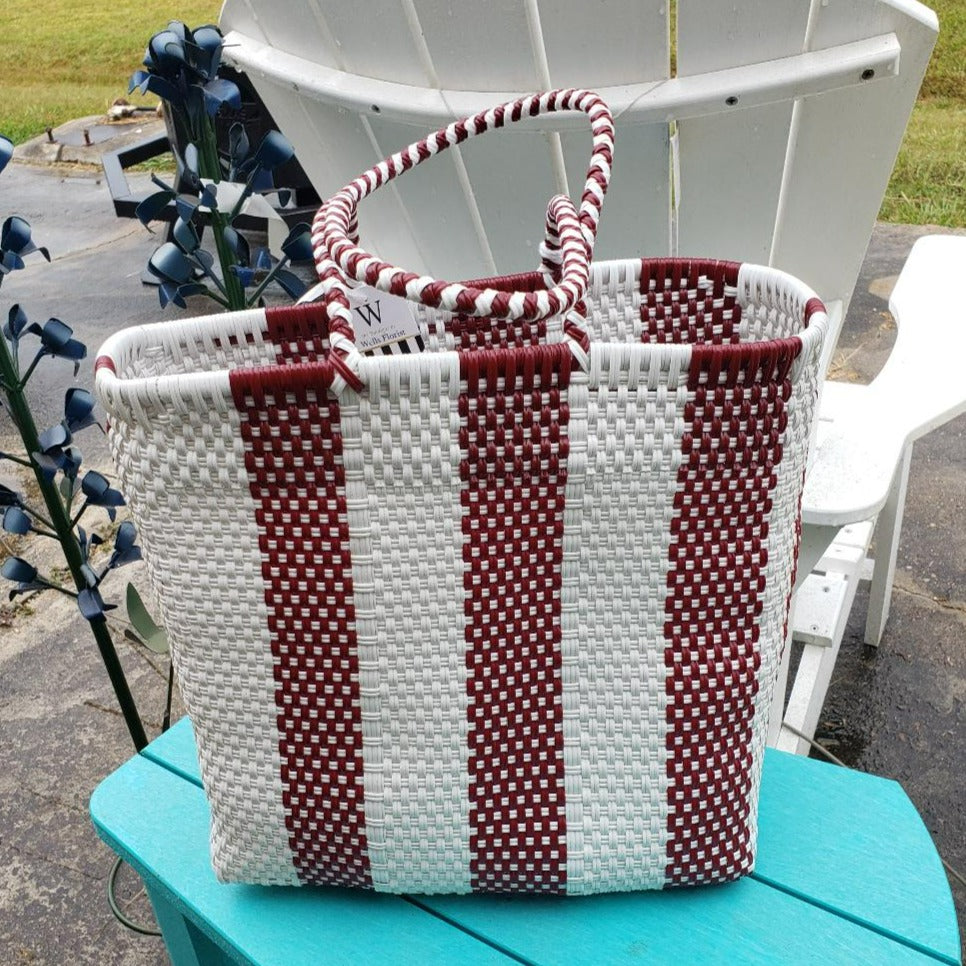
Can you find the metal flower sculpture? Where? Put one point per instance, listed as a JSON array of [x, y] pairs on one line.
[[6, 151], [56, 463], [16, 244], [182, 69]]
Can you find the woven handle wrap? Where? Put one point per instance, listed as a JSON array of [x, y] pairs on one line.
[[334, 230]]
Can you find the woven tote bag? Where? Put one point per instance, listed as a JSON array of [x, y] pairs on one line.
[[501, 615]]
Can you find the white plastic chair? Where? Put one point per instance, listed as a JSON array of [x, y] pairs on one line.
[[772, 141], [861, 467]]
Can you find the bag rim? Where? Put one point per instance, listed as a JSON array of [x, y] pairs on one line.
[[759, 284]]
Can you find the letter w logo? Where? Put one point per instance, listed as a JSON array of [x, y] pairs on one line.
[[369, 312]]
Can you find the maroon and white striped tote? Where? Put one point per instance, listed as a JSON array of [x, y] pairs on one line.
[[503, 615]]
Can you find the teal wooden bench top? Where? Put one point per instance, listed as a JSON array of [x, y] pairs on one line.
[[846, 873]]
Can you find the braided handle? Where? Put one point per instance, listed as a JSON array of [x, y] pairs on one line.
[[334, 233]]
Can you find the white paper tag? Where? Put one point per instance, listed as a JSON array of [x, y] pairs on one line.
[[380, 319]]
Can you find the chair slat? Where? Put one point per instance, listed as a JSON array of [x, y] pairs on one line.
[[846, 146], [835, 184], [633, 35], [636, 218], [732, 216], [466, 40], [396, 55], [870, 891], [448, 244], [303, 30], [334, 146], [513, 208], [723, 33], [732, 162], [167, 843]]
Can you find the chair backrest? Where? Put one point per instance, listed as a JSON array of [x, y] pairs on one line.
[[771, 140]]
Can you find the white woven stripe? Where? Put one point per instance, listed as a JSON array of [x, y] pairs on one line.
[[613, 302], [624, 448], [781, 542], [402, 453], [185, 478]]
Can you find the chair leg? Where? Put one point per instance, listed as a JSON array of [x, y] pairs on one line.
[[781, 686], [807, 698], [887, 530], [186, 944], [824, 600]]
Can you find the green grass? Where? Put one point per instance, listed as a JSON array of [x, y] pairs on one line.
[[61, 60], [928, 185], [946, 76]]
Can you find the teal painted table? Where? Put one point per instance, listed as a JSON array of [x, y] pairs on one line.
[[846, 873]]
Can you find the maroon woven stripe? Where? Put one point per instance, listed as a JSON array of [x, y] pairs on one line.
[[514, 444], [812, 306], [685, 301], [472, 332], [520, 282], [293, 456], [298, 332], [716, 579]]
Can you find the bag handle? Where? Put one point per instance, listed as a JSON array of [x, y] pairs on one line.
[[571, 233]]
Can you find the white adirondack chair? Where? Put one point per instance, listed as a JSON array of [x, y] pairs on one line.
[[861, 466], [773, 142]]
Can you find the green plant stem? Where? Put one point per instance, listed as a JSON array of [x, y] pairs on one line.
[[36, 515], [78, 514], [242, 198], [217, 298], [30, 371], [267, 280], [218, 285], [60, 520], [211, 169]]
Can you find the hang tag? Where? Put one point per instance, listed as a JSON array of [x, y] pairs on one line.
[[383, 321]]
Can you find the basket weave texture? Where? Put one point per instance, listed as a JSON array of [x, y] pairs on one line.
[[498, 616]]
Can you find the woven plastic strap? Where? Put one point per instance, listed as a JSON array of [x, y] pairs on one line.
[[574, 231]]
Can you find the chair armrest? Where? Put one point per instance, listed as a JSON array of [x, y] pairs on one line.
[[863, 430]]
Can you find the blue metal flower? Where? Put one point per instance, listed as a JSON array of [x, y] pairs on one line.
[[298, 243], [91, 604], [98, 491], [17, 322], [79, 409], [17, 569], [6, 151], [24, 575], [126, 549], [182, 68], [9, 497], [16, 521], [56, 339], [16, 244], [56, 455]]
